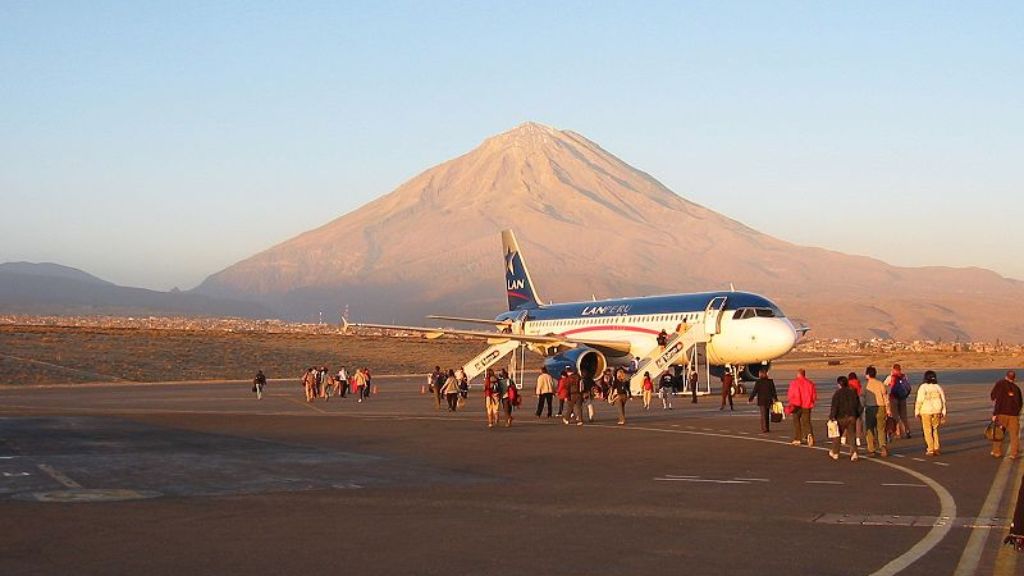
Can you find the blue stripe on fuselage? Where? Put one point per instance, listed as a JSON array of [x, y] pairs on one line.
[[670, 304]]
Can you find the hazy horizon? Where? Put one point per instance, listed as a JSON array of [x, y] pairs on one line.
[[153, 146]]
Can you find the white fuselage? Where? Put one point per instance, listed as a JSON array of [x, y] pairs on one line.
[[739, 341]]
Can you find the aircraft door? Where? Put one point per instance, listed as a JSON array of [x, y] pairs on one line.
[[713, 315]]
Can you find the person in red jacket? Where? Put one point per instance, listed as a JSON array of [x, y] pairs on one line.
[[563, 391], [855, 385], [801, 396]]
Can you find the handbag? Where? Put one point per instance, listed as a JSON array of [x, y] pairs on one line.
[[776, 417], [833, 429], [890, 426], [994, 432]]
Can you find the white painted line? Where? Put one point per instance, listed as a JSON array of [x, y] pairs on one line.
[[707, 480], [905, 485], [947, 511], [753, 479], [971, 556], [947, 505], [16, 474], [680, 476], [941, 463], [707, 429], [899, 455], [918, 459], [832, 482], [675, 425], [59, 476], [7, 457]]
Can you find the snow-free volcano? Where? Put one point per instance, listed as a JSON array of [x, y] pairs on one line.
[[592, 225]]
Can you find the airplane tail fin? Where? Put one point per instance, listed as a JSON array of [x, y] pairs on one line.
[[520, 290]]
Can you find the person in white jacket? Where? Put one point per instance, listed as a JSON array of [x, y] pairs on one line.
[[930, 407]]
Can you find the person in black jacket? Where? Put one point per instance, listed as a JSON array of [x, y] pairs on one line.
[[845, 411], [764, 391]]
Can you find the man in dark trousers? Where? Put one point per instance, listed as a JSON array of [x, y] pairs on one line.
[[692, 380], [845, 410], [1006, 413], [764, 391], [727, 382], [439, 379], [575, 406], [258, 383]]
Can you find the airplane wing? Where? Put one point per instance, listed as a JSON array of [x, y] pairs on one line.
[[498, 337], [472, 320]]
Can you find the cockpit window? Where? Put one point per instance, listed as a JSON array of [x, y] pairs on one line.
[[744, 313]]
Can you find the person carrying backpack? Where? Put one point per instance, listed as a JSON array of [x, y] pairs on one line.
[[898, 385]]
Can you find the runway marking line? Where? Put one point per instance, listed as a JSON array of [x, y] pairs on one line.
[[975, 547], [947, 505], [703, 480], [1006, 559], [829, 482], [905, 485], [59, 476]]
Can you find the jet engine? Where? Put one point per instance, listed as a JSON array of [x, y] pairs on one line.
[[584, 360]]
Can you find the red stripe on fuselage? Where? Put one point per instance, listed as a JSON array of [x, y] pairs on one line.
[[611, 327]]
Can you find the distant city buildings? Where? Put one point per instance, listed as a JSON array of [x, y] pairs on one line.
[[237, 325], [888, 346]]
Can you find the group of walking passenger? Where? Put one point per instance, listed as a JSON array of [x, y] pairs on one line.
[[877, 411], [320, 383], [449, 387]]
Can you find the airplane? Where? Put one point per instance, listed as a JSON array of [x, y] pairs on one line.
[[739, 331]]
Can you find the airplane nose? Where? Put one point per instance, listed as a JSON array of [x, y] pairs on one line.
[[781, 338]]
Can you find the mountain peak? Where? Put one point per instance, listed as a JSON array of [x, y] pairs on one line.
[[527, 134]]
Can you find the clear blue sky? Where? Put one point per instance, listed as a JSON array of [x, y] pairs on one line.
[[155, 143]]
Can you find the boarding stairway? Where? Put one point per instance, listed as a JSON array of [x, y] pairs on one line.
[[488, 358], [659, 359]]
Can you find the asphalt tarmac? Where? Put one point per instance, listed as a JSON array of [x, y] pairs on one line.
[[204, 478]]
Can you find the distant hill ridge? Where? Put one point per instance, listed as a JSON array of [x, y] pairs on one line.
[[47, 288], [50, 270]]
